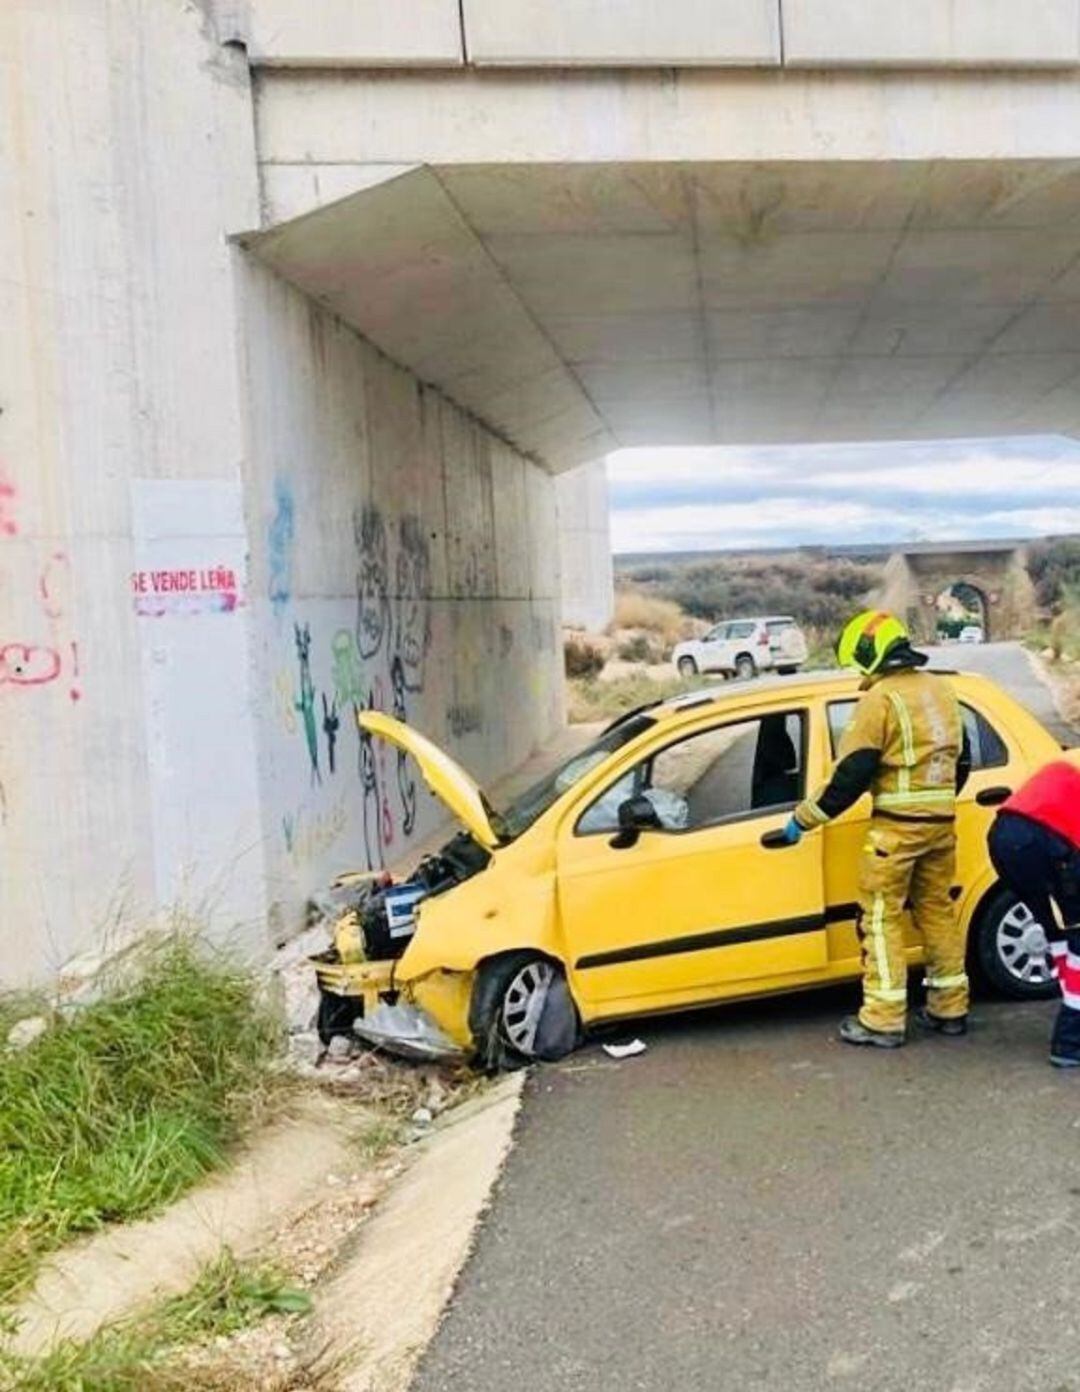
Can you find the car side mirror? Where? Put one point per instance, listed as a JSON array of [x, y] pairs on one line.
[[636, 814]]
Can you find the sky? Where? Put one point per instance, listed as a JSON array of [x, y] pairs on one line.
[[790, 495]]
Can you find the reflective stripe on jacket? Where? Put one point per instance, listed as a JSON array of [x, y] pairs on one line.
[[905, 745]]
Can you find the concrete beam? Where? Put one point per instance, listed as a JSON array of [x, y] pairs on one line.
[[575, 33], [640, 118], [568, 305], [961, 33], [354, 33]]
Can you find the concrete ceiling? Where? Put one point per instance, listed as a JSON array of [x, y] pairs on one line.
[[581, 308]]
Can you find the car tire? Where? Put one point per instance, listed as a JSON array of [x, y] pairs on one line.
[[504, 1037], [787, 671], [1003, 951], [745, 667], [687, 668]]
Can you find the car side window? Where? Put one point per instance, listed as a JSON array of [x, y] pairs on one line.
[[741, 630], [988, 749], [718, 775]]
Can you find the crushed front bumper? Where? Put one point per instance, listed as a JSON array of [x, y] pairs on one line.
[[425, 1019], [409, 1032]]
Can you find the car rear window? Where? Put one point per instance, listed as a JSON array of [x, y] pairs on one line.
[[988, 749], [779, 625]]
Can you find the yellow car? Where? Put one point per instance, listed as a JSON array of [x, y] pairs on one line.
[[647, 875]]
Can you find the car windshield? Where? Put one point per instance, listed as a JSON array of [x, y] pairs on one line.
[[520, 814]]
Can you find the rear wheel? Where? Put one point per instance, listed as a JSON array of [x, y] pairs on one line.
[[787, 671], [1008, 949], [687, 667], [522, 1011], [745, 667]]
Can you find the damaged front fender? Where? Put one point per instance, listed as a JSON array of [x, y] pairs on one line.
[[423, 1018]]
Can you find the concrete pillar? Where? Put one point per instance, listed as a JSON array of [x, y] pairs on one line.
[[127, 771], [588, 587]]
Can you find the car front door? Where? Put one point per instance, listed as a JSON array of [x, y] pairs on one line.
[[714, 649], [696, 908]]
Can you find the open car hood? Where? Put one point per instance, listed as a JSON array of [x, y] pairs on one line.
[[446, 779]]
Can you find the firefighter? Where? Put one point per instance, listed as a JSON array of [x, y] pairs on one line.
[[906, 746], [1035, 848]]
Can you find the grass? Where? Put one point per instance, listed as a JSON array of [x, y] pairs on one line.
[[590, 700], [139, 1354], [113, 1113]]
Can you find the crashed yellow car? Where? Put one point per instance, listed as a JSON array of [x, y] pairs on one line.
[[647, 874]]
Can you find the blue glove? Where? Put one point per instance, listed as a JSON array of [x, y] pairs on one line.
[[793, 832]]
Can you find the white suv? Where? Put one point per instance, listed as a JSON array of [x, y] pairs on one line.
[[744, 647]]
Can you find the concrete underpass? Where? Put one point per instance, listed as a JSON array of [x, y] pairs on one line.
[[293, 363]]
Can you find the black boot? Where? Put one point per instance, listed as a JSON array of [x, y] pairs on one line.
[[956, 1026], [853, 1031]]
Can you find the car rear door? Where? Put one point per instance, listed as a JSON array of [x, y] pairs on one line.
[[997, 767], [699, 908]]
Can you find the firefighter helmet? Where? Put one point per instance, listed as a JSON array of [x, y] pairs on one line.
[[868, 640]]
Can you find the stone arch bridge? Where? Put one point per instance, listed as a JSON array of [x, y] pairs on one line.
[[916, 575]]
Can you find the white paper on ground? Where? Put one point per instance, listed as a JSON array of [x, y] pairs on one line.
[[621, 1051]]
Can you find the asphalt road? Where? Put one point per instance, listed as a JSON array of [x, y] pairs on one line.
[[751, 1204]]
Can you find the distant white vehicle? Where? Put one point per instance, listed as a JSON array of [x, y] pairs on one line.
[[972, 633], [744, 647]]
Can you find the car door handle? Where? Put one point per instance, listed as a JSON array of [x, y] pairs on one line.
[[993, 797], [776, 840]]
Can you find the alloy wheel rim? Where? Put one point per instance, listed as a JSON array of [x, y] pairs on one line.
[[523, 1005], [1022, 946]]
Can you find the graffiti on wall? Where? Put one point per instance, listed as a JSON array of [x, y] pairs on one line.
[[280, 540], [410, 611], [305, 701], [348, 675], [9, 525], [45, 663], [331, 723], [372, 581], [377, 664], [405, 781], [308, 835]]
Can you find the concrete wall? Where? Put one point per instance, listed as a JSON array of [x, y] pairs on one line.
[[126, 777], [588, 586], [174, 506], [402, 557], [644, 33]]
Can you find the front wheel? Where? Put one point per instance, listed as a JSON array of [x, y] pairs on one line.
[[1008, 949], [687, 668], [522, 1012]]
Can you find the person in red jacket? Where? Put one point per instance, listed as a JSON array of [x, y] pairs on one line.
[[1035, 848]]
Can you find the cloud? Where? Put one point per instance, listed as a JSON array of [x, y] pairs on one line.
[[705, 499]]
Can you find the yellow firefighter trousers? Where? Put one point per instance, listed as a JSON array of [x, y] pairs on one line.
[[912, 862]]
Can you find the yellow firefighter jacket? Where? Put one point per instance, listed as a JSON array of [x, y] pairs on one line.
[[905, 745]]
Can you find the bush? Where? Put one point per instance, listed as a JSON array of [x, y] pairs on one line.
[[819, 591], [581, 658], [634, 609], [641, 648], [112, 1114]]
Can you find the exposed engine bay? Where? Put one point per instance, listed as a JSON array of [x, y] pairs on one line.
[[374, 917]]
